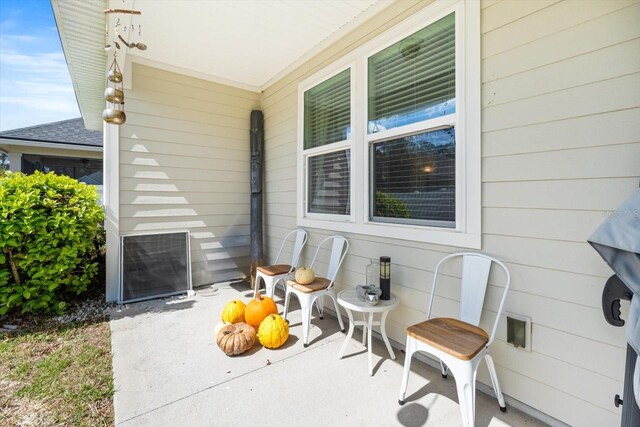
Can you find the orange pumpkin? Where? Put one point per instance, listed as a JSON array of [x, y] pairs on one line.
[[259, 308], [233, 312]]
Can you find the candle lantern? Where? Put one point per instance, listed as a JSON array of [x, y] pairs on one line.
[[372, 274], [385, 277]]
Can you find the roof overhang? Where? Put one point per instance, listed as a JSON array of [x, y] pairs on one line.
[[249, 44], [45, 144], [81, 28]]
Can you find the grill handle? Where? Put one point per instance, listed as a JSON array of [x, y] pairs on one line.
[[614, 290]]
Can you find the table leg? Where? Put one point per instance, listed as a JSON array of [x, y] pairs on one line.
[[349, 335], [383, 332], [369, 346], [364, 328]]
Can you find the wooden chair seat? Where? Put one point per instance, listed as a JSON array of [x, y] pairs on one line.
[[275, 270], [455, 337], [318, 284]]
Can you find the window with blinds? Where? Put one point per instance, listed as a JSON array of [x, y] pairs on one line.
[[412, 82], [327, 111], [390, 147], [329, 177], [326, 146], [414, 179], [414, 79]]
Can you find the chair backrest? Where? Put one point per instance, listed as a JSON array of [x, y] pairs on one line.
[[475, 278], [339, 248], [300, 241]]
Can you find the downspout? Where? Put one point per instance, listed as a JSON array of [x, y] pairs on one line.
[[257, 165]]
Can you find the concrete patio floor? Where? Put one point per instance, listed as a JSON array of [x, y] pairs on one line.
[[168, 371]]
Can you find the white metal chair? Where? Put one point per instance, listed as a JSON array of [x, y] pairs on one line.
[[460, 344], [321, 286], [272, 274]]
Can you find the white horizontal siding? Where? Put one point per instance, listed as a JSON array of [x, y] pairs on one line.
[[184, 164], [560, 145]]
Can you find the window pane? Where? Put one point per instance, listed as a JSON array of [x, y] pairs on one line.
[[414, 178], [327, 111], [4, 162], [414, 79], [328, 190], [88, 171]]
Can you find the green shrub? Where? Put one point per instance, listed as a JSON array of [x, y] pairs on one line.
[[48, 240], [388, 206]]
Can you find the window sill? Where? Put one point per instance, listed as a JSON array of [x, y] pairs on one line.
[[439, 236]]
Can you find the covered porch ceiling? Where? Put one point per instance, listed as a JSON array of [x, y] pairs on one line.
[[243, 43]]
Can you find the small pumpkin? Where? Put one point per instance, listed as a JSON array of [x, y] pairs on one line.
[[273, 331], [305, 275], [259, 308], [233, 312], [236, 338]]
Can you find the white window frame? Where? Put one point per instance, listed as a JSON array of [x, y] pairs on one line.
[[303, 155], [467, 231]]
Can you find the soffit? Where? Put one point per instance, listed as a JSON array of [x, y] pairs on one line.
[[81, 28], [244, 43]]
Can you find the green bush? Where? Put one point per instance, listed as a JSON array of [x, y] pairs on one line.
[[49, 238], [388, 206]]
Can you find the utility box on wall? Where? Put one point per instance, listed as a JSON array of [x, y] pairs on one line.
[[519, 331]]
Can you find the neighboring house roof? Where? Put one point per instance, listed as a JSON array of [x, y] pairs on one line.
[[70, 132]]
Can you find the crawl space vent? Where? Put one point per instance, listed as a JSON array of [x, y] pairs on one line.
[[154, 265]]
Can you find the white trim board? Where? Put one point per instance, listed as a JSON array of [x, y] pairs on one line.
[[62, 146]]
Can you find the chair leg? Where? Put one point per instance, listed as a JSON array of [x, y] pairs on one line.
[[464, 374], [494, 381], [410, 348], [256, 284], [269, 285], [320, 306], [287, 297], [335, 303], [306, 304], [444, 369]]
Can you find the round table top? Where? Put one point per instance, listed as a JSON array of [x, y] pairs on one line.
[[349, 299]]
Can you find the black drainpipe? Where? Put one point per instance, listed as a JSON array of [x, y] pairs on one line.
[[257, 159]]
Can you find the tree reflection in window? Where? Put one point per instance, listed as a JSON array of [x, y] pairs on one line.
[[417, 171]]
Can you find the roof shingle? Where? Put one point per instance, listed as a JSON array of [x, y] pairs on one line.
[[64, 132]]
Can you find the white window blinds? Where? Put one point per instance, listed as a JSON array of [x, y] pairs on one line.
[[414, 79], [413, 179], [327, 111], [329, 177]]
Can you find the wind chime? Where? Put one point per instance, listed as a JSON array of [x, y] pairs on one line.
[[114, 91]]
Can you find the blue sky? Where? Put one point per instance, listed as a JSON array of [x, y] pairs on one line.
[[35, 86]]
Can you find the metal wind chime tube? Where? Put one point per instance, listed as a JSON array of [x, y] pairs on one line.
[[114, 90]]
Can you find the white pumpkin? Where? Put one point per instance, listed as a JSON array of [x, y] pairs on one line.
[[305, 275]]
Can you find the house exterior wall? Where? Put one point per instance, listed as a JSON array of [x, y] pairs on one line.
[[560, 150], [184, 165]]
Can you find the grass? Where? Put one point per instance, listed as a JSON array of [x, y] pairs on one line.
[[57, 375]]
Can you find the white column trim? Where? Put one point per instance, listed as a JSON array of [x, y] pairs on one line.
[[111, 196]]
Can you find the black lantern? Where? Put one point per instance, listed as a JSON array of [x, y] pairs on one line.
[[385, 277]]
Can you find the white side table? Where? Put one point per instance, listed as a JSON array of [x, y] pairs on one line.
[[349, 300]]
